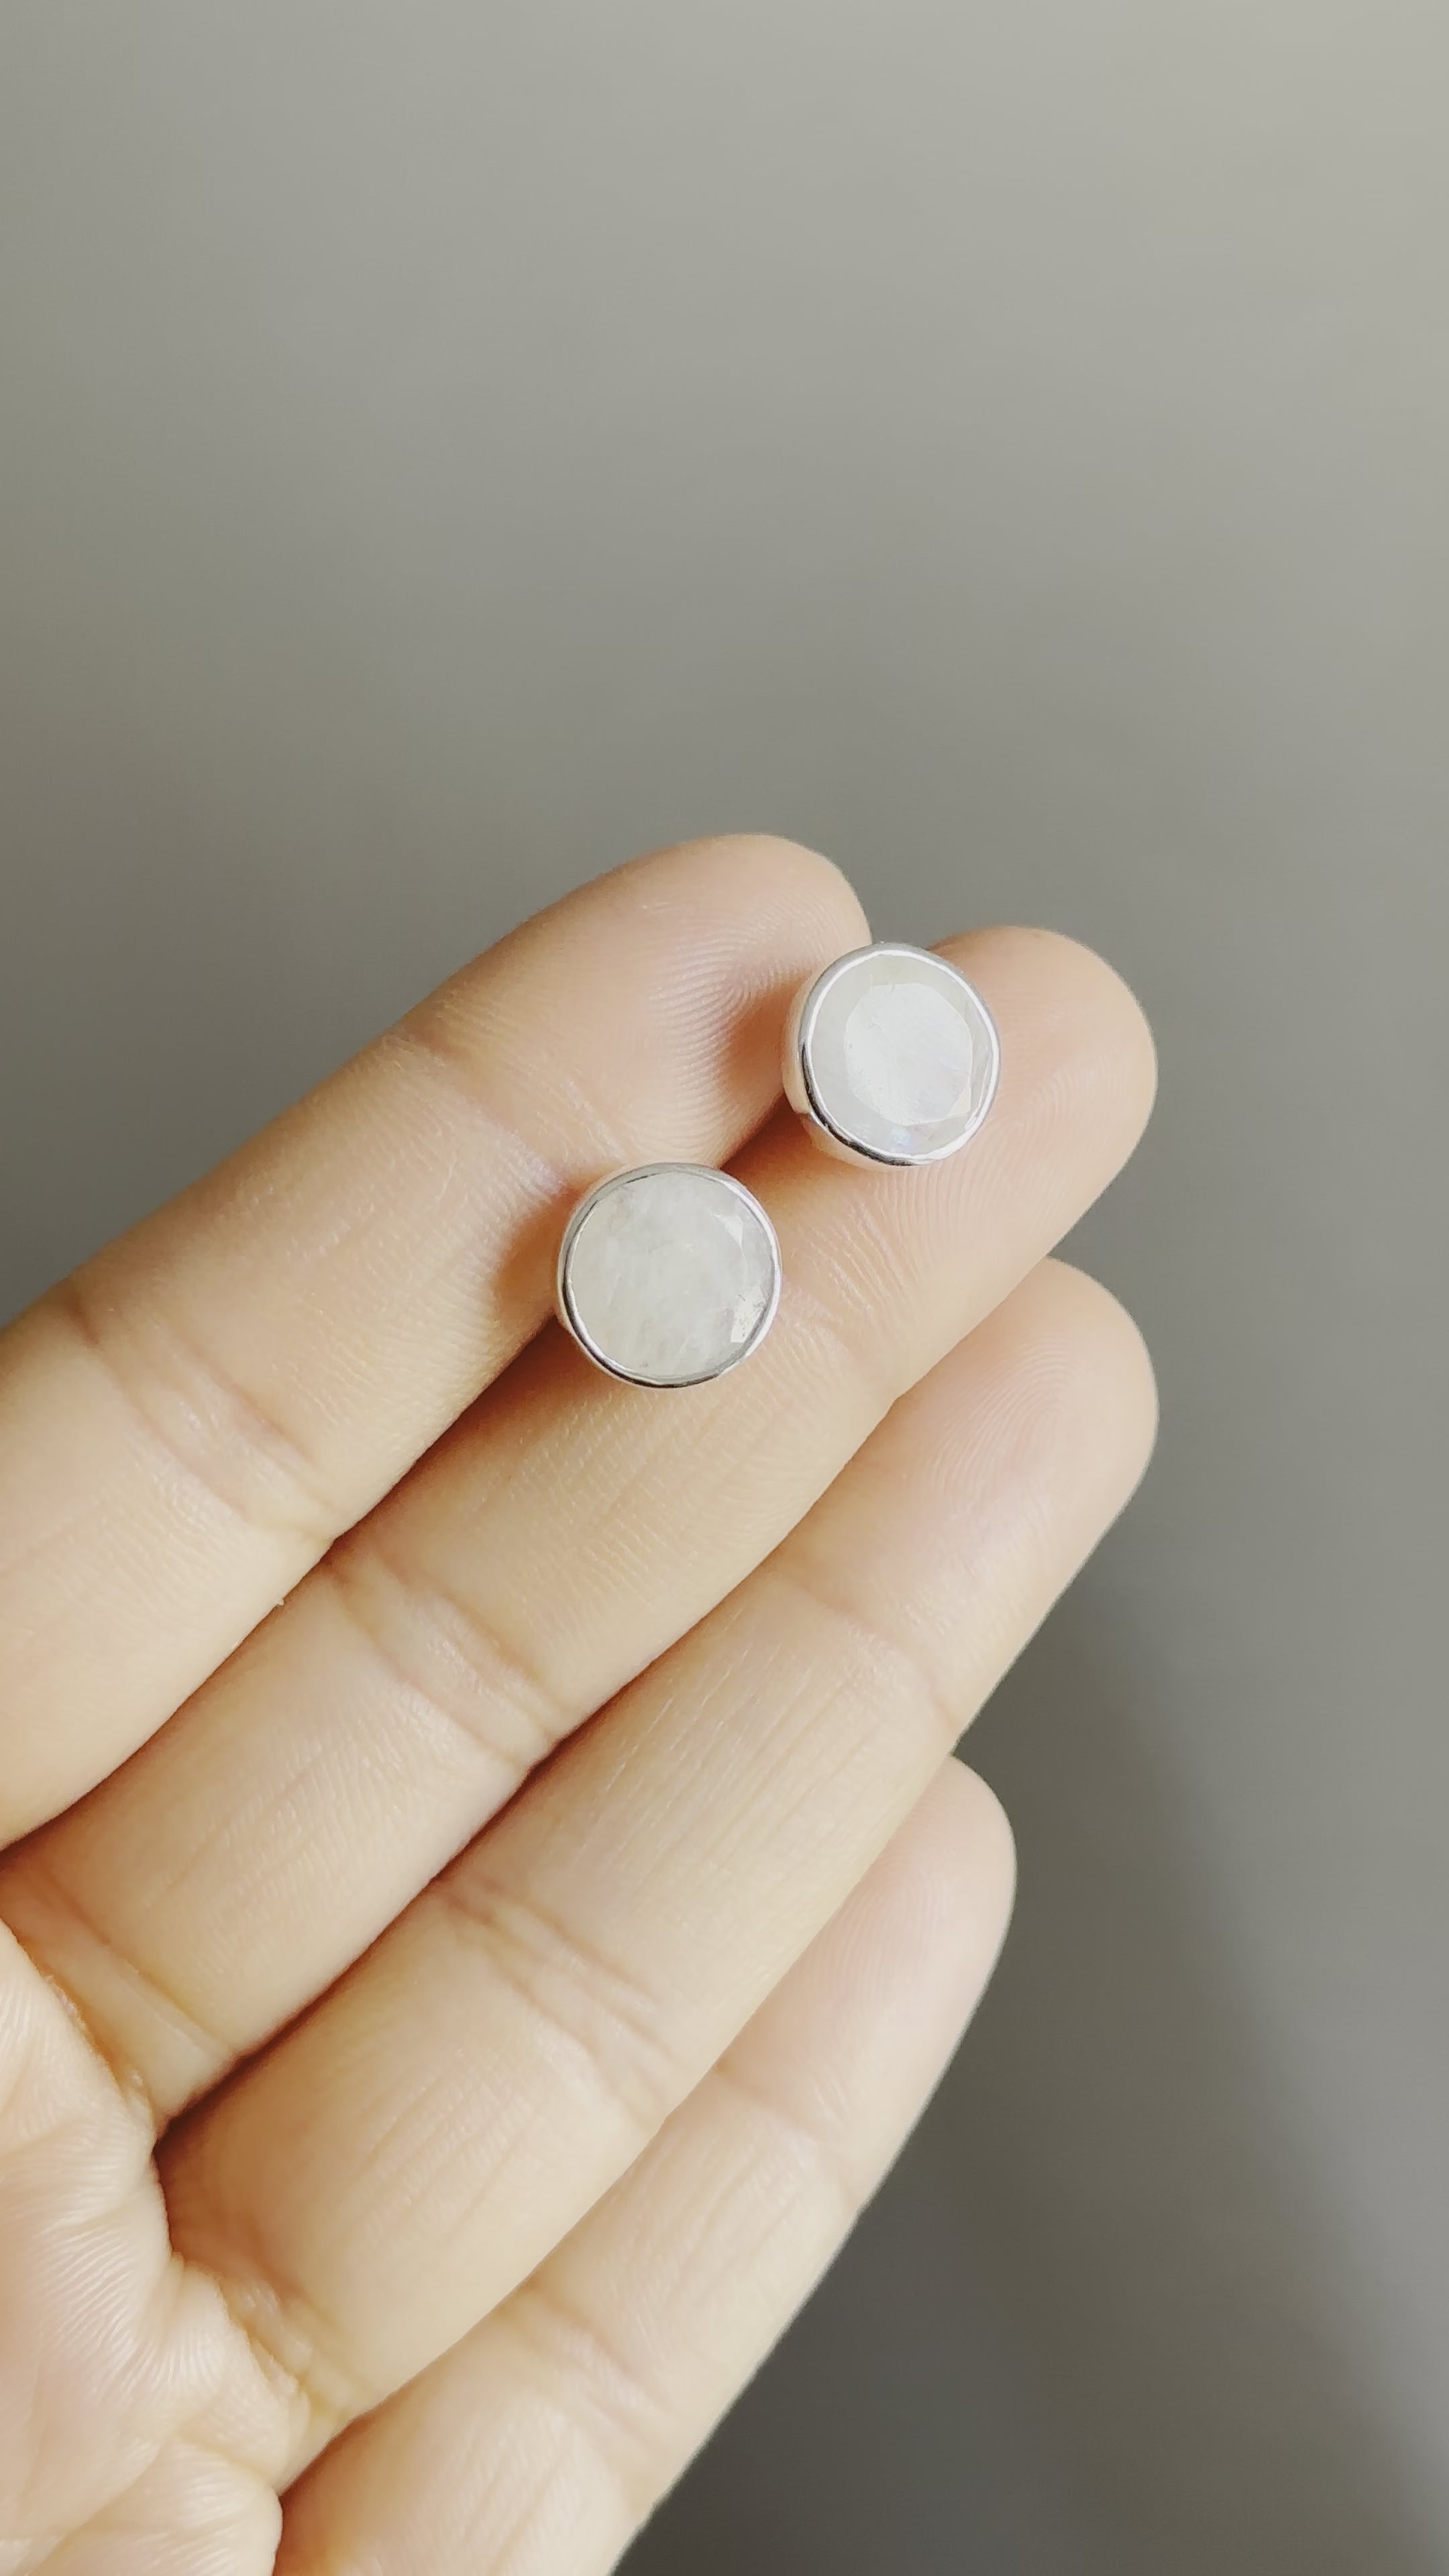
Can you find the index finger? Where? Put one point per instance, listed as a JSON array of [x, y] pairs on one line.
[[189, 1421]]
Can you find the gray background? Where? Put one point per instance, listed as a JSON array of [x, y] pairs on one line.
[[1004, 443]]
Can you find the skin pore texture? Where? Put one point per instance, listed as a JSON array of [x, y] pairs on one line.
[[485, 1887]]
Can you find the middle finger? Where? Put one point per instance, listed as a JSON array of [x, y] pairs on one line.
[[560, 1538]]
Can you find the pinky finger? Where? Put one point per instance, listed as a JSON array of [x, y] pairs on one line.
[[539, 2444]]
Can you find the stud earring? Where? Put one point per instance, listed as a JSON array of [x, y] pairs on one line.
[[668, 1275], [891, 1056]]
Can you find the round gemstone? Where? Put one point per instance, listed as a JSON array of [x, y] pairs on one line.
[[899, 1054], [669, 1275]]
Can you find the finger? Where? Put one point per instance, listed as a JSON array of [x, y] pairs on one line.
[[563, 1537], [539, 2444], [190, 1420], [396, 2164]]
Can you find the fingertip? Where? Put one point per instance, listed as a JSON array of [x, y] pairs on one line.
[[1075, 1038], [759, 878], [961, 1841], [871, 2012], [1112, 1362], [1052, 1398], [651, 998]]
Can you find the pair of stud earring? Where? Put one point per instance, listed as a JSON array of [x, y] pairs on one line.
[[670, 1274]]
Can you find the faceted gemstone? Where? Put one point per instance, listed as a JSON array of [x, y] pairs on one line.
[[899, 1054], [670, 1274]]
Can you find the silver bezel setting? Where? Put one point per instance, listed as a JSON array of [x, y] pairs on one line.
[[799, 1079], [572, 1321]]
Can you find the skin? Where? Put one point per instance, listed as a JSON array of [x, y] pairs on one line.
[[487, 1886]]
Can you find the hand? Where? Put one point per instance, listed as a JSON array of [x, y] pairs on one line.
[[488, 1888]]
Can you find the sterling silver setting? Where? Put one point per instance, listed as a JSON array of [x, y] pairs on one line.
[[669, 1274], [891, 1057]]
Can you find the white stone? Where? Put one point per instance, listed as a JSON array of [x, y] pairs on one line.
[[899, 1053], [670, 1275]]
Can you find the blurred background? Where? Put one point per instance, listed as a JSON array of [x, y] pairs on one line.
[[446, 448]]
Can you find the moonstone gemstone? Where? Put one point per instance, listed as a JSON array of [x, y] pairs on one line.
[[670, 1275], [899, 1054]]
